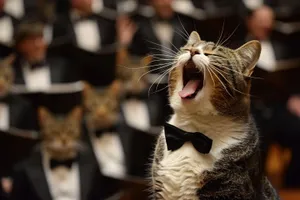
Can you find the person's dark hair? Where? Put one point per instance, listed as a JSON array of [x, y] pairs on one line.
[[28, 28]]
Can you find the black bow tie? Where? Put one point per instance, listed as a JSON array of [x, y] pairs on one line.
[[141, 95], [38, 64], [66, 163], [100, 132], [176, 137], [4, 99]]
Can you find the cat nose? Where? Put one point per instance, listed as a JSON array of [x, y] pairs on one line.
[[100, 112], [194, 52]]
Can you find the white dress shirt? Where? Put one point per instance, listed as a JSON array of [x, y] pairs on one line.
[[4, 116], [38, 79], [87, 33], [15, 7], [64, 183], [136, 109], [109, 154], [7, 29]]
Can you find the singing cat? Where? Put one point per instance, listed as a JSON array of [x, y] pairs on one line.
[[60, 135], [102, 110], [209, 149], [6, 75]]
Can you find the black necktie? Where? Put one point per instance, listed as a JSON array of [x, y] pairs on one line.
[[66, 163], [100, 132], [176, 137]]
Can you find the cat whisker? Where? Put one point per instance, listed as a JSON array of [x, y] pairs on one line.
[[180, 34], [162, 47], [153, 70], [221, 35], [232, 87], [208, 69], [141, 67], [222, 83], [185, 31], [222, 43]]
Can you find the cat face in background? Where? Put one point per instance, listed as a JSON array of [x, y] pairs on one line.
[[210, 79], [102, 107], [133, 73], [6, 75], [61, 136]]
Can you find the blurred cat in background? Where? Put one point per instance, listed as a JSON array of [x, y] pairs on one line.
[[60, 135], [6, 75], [102, 110]]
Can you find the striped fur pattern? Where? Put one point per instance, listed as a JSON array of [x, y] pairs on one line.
[[102, 107], [6, 75], [60, 135], [220, 110]]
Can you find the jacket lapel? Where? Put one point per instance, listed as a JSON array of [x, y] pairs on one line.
[[86, 169], [37, 176], [19, 77]]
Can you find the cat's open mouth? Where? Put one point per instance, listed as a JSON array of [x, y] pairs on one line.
[[193, 80]]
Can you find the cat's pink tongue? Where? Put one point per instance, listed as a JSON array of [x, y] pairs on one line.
[[189, 89]]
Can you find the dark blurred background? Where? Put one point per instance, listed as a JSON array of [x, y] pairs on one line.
[[56, 48]]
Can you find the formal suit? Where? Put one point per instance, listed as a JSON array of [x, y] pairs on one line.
[[7, 25], [107, 149], [90, 45], [71, 27], [60, 70], [21, 113], [30, 182]]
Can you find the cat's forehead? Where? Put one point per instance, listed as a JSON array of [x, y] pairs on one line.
[[4, 68], [205, 45]]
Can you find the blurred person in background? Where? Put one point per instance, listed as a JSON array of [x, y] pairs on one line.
[[161, 35], [275, 100], [35, 66], [84, 28]]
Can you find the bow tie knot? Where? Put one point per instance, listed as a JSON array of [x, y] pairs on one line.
[[65, 163], [176, 137]]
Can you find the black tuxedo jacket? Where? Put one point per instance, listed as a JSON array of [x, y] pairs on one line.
[[21, 113], [30, 181], [60, 71], [64, 28]]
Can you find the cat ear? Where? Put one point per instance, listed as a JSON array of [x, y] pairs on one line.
[[44, 116], [87, 88], [194, 38], [75, 114], [249, 54], [115, 88], [9, 60]]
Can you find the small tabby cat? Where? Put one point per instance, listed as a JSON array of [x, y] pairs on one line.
[[102, 107], [209, 93], [6, 75], [61, 136], [101, 118]]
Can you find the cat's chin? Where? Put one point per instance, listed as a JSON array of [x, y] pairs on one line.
[[62, 155]]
